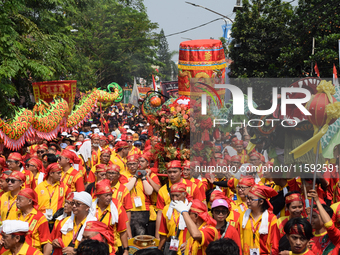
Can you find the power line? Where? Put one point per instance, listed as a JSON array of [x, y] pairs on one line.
[[194, 27]]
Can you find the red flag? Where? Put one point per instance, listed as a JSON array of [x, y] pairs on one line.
[[317, 70], [154, 83], [335, 76]]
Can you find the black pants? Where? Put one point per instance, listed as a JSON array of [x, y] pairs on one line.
[[138, 223]]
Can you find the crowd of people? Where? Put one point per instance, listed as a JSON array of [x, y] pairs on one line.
[[91, 190]]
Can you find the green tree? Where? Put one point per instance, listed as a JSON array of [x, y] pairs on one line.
[[114, 42], [34, 44], [312, 19], [259, 32], [168, 69]]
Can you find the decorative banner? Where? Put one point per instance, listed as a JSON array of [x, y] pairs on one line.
[[127, 94], [170, 88], [143, 91], [47, 90]]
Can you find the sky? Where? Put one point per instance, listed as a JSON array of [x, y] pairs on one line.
[[175, 15]]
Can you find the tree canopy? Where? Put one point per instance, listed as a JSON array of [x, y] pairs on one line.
[[272, 38], [93, 42]]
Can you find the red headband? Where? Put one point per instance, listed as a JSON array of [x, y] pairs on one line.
[[101, 168], [113, 167], [236, 158], [295, 230], [37, 163], [186, 164], [102, 228], [247, 181], [293, 197], [30, 194], [174, 164], [4, 176], [106, 151], [132, 158], [17, 157], [147, 156], [95, 136], [178, 187], [71, 156], [18, 175], [121, 144], [202, 211], [239, 142], [255, 154], [103, 187]]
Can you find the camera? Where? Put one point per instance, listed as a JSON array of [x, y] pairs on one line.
[[141, 173]]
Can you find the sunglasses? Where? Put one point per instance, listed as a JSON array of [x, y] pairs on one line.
[[224, 212], [77, 204], [11, 180], [129, 141], [40, 152]]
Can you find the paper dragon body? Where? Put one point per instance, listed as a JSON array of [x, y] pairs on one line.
[[46, 120]]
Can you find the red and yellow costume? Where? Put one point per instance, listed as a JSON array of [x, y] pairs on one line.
[[39, 233], [207, 229], [268, 241], [51, 196]]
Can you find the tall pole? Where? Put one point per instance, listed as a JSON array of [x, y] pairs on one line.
[[314, 180], [313, 47]]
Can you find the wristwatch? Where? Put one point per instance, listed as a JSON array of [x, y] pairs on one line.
[[144, 179], [126, 248]]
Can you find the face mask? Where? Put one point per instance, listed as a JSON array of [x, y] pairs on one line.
[[63, 145]]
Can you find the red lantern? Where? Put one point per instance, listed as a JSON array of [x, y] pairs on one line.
[[155, 101], [317, 107]]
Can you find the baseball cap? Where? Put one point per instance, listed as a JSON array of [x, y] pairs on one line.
[[219, 202]]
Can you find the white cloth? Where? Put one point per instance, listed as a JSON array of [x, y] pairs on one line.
[[75, 166], [181, 224], [263, 230], [14, 226], [68, 226], [83, 197], [231, 151], [85, 150], [41, 177], [113, 209], [61, 217]]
